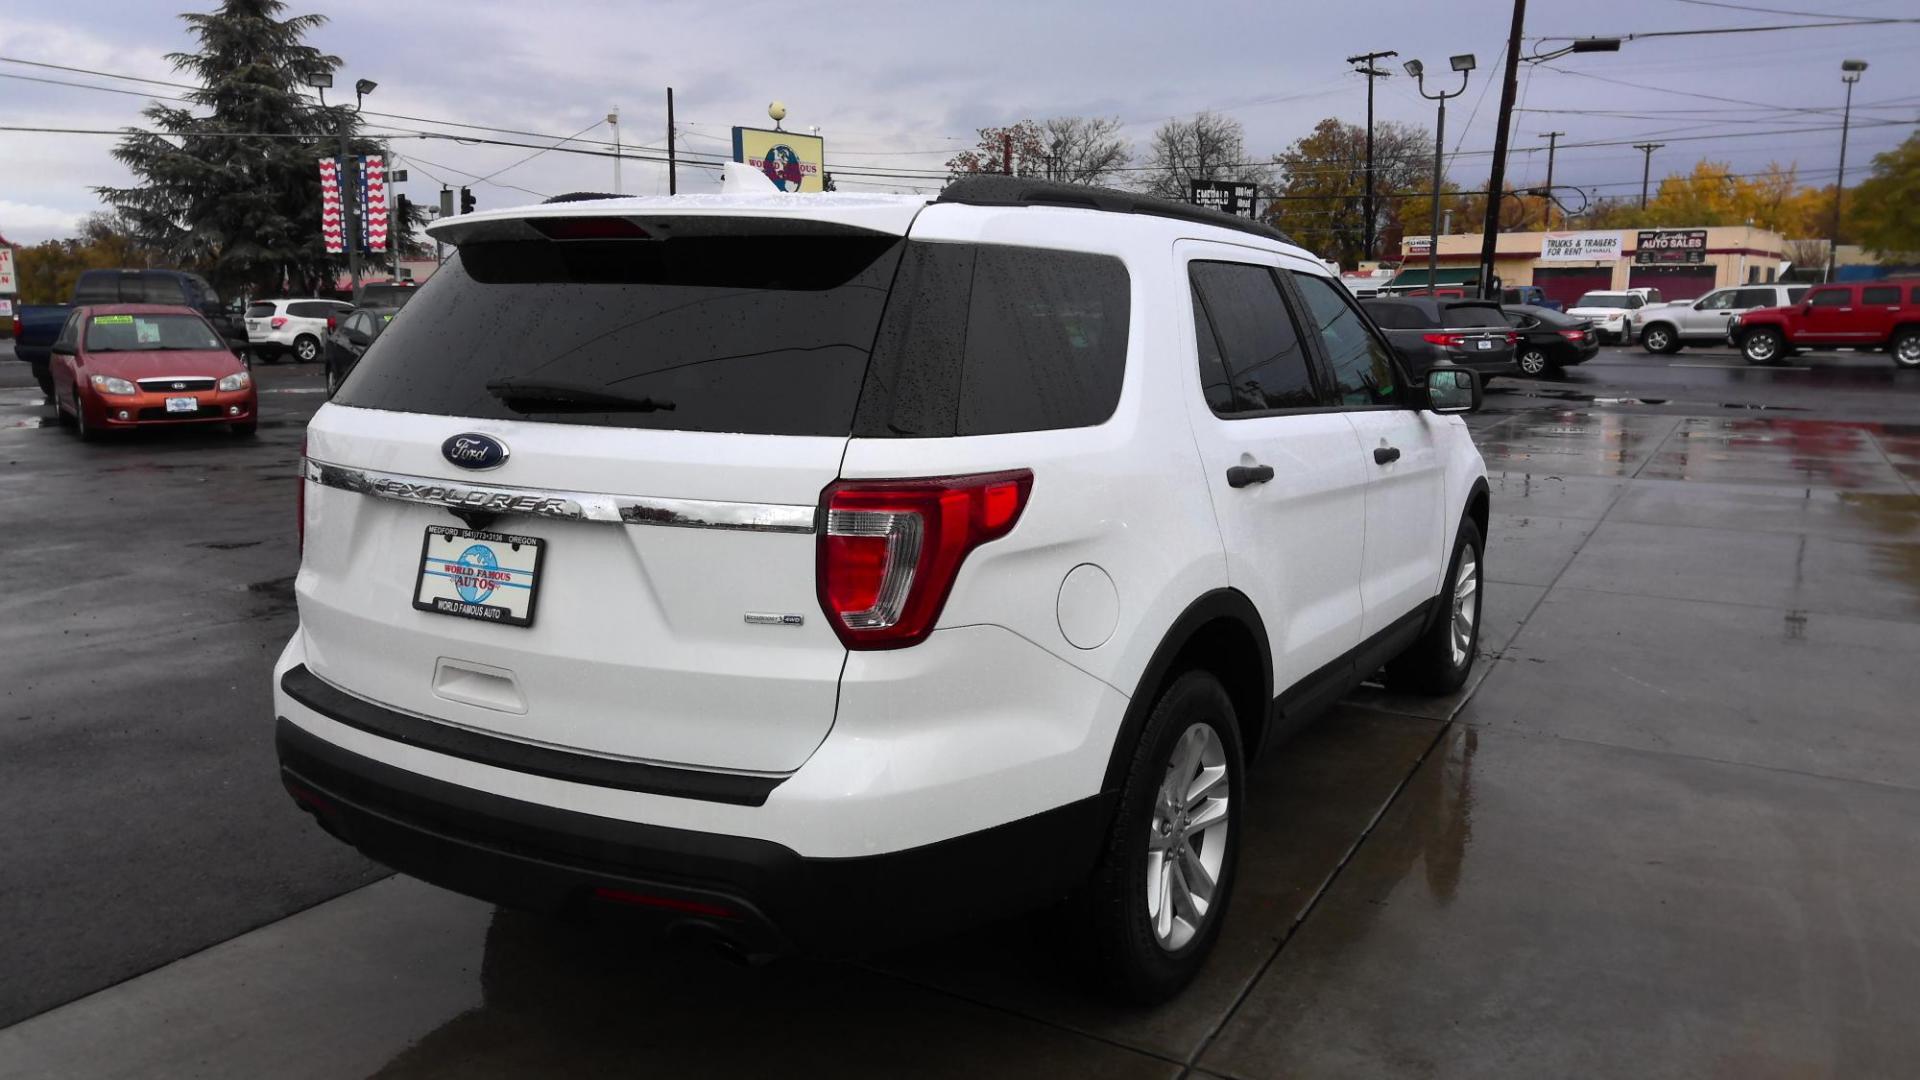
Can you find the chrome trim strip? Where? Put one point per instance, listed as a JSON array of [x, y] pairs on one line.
[[565, 505]]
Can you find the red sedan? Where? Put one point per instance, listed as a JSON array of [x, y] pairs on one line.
[[148, 365]]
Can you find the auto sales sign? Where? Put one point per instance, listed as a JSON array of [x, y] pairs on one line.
[[1579, 246], [1672, 246]]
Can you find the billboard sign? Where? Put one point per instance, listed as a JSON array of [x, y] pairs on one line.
[[793, 162], [1226, 196], [1580, 246], [8, 284], [1670, 246], [1415, 245]]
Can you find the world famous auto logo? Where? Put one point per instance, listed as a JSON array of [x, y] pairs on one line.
[[476, 573], [782, 166]]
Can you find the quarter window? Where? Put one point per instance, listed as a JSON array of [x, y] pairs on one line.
[[1362, 364], [1255, 338], [1753, 298]]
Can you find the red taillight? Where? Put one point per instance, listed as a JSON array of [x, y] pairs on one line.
[[300, 500], [892, 549], [16, 328], [1513, 338], [1574, 335], [279, 321], [589, 228], [1450, 341]]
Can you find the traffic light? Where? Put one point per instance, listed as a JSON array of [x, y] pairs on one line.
[[466, 200]]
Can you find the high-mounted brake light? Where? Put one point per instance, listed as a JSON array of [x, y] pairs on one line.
[[892, 549], [589, 228]]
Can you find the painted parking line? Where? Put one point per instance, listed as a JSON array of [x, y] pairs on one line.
[[1744, 366]]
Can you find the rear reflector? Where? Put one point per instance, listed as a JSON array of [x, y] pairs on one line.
[[667, 903], [892, 549], [589, 228]]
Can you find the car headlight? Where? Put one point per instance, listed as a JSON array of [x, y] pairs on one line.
[[107, 384], [239, 380]]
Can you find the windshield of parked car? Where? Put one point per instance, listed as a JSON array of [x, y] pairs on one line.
[[1605, 300], [150, 333]]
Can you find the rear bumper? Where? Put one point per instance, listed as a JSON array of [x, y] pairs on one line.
[[759, 895]]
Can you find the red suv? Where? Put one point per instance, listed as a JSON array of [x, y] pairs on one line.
[[1861, 315]]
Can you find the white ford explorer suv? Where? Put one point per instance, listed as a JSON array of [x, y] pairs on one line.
[[816, 571]]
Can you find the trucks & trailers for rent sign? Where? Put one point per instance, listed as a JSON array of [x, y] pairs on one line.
[[1580, 246]]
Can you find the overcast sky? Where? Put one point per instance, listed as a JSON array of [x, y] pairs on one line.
[[901, 86]]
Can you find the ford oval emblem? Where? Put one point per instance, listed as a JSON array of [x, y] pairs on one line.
[[472, 450]]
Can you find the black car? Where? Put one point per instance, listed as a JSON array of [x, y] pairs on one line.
[[350, 338], [1426, 331], [1550, 340], [385, 294]]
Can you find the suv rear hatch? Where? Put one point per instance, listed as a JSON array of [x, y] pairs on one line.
[[668, 396]]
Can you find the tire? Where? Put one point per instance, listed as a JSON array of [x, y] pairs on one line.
[[1762, 345], [1438, 663], [1905, 347], [44, 377], [1146, 947], [306, 348], [1533, 363], [1660, 339], [60, 411], [86, 431]]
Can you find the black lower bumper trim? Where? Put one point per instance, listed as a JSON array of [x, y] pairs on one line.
[[543, 858], [310, 690]]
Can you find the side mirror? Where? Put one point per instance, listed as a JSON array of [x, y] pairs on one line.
[[1452, 390], [59, 349]]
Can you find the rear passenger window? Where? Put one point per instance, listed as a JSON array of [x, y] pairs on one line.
[[1753, 298], [312, 309], [1362, 364], [1394, 316], [1794, 296], [1256, 340], [987, 339], [157, 290], [1880, 294]]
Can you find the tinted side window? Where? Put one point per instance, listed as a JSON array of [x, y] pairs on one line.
[[1721, 300], [312, 309], [988, 339], [1394, 316], [1880, 294], [69, 337], [1215, 386], [157, 289], [1259, 343], [1832, 297], [1753, 298], [1794, 296], [1362, 364], [1046, 340]]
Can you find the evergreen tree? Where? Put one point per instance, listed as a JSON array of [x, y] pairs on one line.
[[230, 183]]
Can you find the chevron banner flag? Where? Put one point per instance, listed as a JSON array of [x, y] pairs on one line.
[[373, 202], [333, 228]]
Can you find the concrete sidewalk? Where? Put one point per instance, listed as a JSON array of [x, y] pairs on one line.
[[1675, 831]]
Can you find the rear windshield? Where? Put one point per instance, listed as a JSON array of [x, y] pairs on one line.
[[758, 334], [1604, 300], [259, 311], [1474, 315], [1392, 316], [149, 333]]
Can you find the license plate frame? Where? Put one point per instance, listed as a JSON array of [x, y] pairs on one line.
[[1485, 345], [178, 405], [440, 585]]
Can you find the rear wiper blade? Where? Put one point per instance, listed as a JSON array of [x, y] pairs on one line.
[[530, 396]]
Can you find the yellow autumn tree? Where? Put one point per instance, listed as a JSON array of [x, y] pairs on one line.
[[1713, 194]]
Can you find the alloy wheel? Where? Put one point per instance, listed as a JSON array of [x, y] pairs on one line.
[[1656, 341], [1761, 347], [1906, 351], [1533, 362], [1466, 605], [305, 350], [1187, 840]]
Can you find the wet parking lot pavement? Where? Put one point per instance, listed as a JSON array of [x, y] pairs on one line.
[[1672, 828]]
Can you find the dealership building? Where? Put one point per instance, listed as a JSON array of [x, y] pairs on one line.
[[1681, 263]]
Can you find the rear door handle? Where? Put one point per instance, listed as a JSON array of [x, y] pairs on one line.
[[1242, 475], [1383, 455]]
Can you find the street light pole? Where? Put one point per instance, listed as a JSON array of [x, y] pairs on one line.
[[1462, 64], [349, 172], [1849, 73], [1553, 142], [1366, 68], [613, 121]]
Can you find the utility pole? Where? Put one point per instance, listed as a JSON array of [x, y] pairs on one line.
[[1006, 153], [1365, 60], [613, 121], [1553, 142], [1646, 167], [673, 169], [1489, 240]]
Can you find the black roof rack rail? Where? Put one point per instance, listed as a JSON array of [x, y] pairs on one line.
[[990, 190], [580, 196]]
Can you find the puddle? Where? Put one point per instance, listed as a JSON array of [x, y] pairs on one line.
[[234, 545]]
